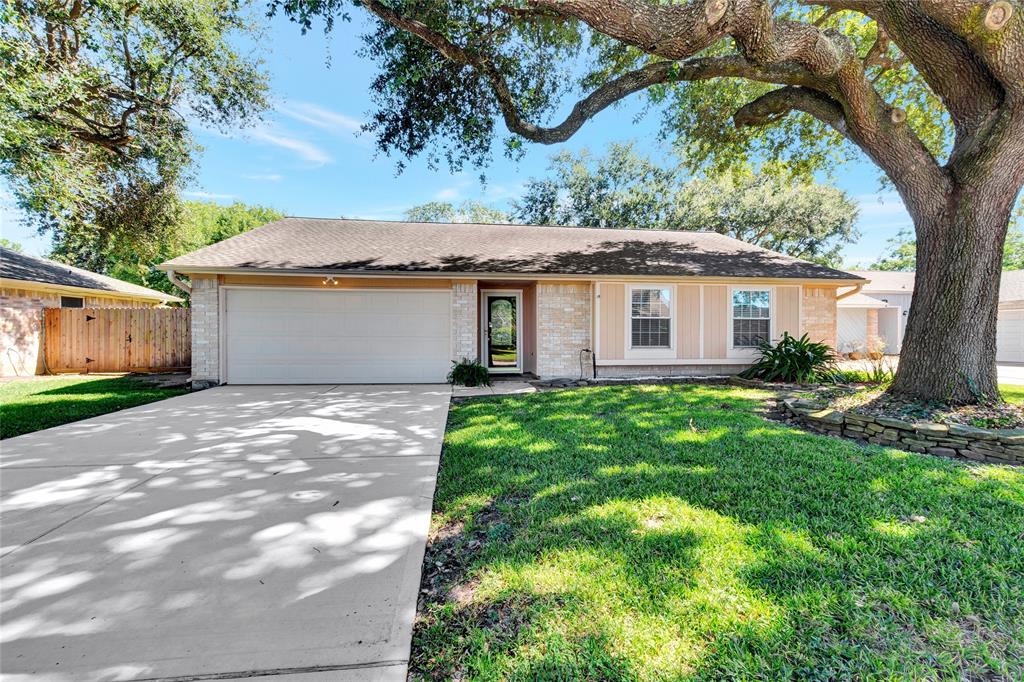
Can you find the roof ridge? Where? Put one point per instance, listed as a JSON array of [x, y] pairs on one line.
[[467, 224]]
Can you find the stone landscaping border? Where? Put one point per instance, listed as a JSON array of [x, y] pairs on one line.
[[996, 446]]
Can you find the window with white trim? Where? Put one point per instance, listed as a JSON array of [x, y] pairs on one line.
[[651, 318], [751, 317]]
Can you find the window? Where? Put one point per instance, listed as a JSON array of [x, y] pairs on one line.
[[751, 318], [72, 302], [650, 318]]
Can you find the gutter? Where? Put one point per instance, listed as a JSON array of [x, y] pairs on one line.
[[854, 290], [178, 283]]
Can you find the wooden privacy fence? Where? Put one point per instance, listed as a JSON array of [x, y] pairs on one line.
[[117, 339]]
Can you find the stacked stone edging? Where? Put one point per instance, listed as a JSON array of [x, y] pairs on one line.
[[996, 446]]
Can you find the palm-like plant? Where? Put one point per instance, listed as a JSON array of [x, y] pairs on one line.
[[794, 360]]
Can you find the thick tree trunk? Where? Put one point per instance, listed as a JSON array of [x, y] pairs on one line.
[[949, 351]]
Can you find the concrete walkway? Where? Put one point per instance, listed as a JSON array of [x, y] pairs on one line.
[[234, 533]]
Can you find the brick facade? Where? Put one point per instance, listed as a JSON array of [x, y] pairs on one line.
[[464, 321], [818, 314], [874, 341], [563, 330], [205, 329]]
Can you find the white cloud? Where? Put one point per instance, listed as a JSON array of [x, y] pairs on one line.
[[882, 204], [320, 117], [448, 194], [266, 177], [208, 195], [306, 150]]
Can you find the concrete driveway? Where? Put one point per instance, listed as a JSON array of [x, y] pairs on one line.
[[234, 533]]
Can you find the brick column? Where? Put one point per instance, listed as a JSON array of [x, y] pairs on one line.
[[205, 301], [818, 314], [563, 330], [464, 321], [873, 339]]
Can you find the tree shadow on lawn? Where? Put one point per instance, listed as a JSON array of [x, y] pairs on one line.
[[669, 532]]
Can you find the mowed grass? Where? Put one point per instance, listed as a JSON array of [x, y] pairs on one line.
[[27, 406], [670, 533], [1012, 393]]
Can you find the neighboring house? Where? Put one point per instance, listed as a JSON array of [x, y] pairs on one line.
[[29, 284], [341, 301], [879, 311], [882, 306]]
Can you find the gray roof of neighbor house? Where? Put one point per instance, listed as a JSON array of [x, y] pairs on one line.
[[26, 268], [888, 281], [374, 246], [1011, 286], [1011, 283]]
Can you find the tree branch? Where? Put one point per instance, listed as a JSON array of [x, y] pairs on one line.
[[777, 104]]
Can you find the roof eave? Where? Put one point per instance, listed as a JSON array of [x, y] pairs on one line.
[[49, 286], [439, 274]]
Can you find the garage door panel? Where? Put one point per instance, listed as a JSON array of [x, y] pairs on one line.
[[1010, 336], [349, 336]]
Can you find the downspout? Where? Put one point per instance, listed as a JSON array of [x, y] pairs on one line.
[[855, 290], [178, 283]]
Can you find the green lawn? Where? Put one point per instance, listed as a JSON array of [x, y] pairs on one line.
[[27, 406], [647, 532], [1012, 393]]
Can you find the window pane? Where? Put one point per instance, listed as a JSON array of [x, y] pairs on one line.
[[72, 302], [751, 304], [651, 333], [650, 303], [748, 333]]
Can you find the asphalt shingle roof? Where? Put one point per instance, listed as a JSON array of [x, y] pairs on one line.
[[368, 246], [26, 268]]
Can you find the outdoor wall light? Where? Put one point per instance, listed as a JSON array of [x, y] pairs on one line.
[[330, 280]]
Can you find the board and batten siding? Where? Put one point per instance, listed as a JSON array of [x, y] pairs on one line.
[[695, 339], [716, 320], [688, 321]]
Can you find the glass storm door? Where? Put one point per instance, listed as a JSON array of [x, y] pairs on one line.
[[502, 333]]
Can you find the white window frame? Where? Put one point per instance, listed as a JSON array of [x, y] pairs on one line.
[[746, 351], [662, 353]]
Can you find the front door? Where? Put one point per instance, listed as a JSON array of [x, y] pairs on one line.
[[502, 332]]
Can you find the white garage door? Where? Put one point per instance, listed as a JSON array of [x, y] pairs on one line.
[[1010, 336], [275, 336]]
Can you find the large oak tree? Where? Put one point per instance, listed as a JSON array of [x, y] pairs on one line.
[[932, 91]]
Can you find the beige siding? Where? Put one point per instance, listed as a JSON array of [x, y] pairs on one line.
[[787, 311], [529, 314], [612, 314], [716, 324], [688, 321]]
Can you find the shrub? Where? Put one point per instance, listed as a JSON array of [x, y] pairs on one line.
[[795, 361], [469, 373]]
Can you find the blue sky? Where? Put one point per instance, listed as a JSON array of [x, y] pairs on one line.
[[307, 157]]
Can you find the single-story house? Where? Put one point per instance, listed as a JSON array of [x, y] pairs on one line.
[[880, 311], [28, 284], [306, 300]]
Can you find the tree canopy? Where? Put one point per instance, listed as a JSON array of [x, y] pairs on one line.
[[447, 212], [193, 225], [96, 97], [624, 189]]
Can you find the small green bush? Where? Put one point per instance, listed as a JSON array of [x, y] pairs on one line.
[[795, 361], [469, 373]]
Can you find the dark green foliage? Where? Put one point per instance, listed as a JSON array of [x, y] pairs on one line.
[[795, 361], [468, 372]]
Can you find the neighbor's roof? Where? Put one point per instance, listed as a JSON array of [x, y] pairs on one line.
[[1011, 286], [373, 246], [887, 281], [25, 268], [861, 301]]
